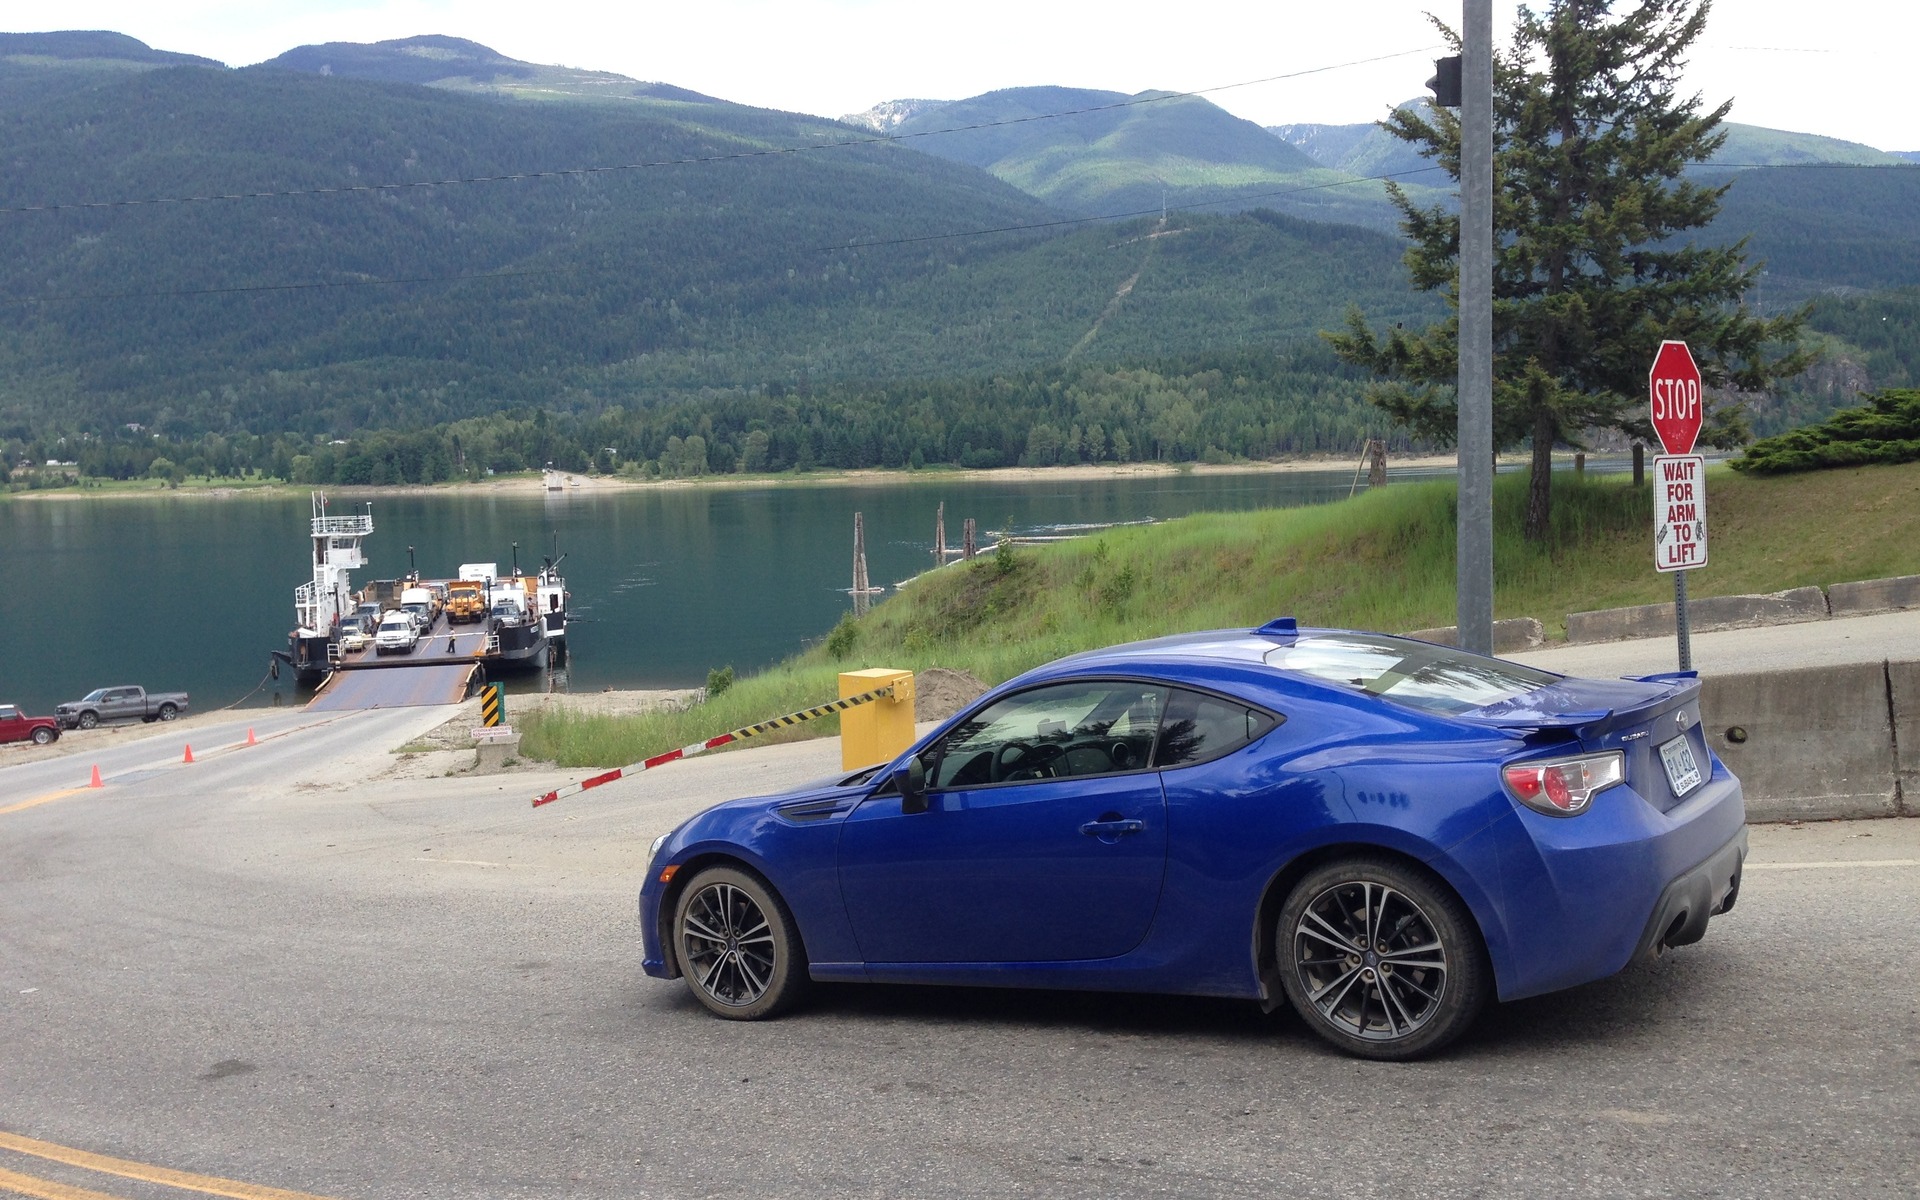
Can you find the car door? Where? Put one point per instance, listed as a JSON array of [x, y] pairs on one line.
[[119, 705], [1044, 838]]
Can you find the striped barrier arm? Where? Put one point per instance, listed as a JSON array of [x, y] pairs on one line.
[[793, 718]]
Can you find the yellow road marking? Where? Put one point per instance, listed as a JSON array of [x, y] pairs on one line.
[[49, 797], [47, 1189], [210, 1185]]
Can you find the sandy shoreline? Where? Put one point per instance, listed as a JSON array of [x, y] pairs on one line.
[[531, 483]]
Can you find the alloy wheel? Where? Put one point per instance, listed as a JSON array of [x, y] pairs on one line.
[[1370, 961], [727, 945]]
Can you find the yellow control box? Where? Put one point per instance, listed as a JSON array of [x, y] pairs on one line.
[[878, 731]]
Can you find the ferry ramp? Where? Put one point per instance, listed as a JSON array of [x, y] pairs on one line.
[[405, 687]]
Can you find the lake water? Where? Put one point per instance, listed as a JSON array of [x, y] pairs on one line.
[[193, 593]]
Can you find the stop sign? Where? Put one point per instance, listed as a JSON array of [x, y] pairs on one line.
[[1674, 388]]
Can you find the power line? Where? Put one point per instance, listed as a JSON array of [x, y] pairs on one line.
[[769, 152], [857, 245]]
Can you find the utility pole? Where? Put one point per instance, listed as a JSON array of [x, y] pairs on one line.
[[1475, 401]]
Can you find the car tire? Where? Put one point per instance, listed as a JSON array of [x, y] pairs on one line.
[[737, 945], [89, 720], [168, 712], [1381, 959], [43, 736]]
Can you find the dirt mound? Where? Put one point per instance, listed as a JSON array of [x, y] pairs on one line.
[[938, 693]]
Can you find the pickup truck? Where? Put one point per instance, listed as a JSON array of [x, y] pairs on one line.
[[16, 726], [119, 704]]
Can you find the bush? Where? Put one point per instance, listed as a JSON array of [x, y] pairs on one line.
[[845, 635], [719, 680], [1886, 429], [1003, 560]]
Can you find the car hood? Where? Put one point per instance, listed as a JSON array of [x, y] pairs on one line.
[[808, 802]]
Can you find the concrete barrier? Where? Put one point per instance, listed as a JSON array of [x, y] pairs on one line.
[[1815, 743], [494, 747], [1515, 633], [1903, 696], [1705, 614], [1874, 596]]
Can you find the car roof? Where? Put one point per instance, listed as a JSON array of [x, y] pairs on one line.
[[1217, 656]]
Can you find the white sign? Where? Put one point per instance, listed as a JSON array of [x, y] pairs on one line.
[[1679, 512]]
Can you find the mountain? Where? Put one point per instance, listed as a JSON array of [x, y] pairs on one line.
[[96, 47], [1821, 228], [1367, 149], [328, 313], [1822, 213], [433, 60], [1362, 149], [887, 115], [1128, 154]]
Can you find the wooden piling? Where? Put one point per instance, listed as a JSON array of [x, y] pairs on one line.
[[859, 564]]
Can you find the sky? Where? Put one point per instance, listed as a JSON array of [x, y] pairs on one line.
[[1838, 68]]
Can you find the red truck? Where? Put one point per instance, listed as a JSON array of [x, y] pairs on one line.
[[16, 726]]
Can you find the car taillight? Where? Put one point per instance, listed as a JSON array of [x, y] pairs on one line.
[[1564, 787]]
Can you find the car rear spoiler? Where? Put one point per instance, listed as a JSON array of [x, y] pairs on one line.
[[1683, 688]]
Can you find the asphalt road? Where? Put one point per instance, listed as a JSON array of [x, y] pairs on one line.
[[316, 966]]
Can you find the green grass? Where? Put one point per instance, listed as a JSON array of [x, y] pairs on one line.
[[1384, 560]]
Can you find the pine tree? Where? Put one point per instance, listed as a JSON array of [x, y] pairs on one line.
[[1591, 142]]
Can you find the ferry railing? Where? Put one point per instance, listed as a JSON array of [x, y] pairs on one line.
[[359, 526], [334, 654], [493, 643]]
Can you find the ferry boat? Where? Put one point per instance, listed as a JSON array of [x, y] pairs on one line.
[[523, 626]]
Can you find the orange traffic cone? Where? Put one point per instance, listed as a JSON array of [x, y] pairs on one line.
[[250, 737], [189, 757], [95, 782]]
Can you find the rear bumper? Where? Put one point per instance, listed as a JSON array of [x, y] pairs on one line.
[[1680, 916], [1580, 898]]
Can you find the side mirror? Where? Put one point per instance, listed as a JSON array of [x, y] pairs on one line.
[[910, 778]]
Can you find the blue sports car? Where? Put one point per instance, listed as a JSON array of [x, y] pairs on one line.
[[1387, 832]]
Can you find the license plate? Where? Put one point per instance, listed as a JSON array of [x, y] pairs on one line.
[[1682, 772]]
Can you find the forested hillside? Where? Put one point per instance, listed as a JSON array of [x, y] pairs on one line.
[[628, 287], [1125, 154], [728, 288], [1819, 228], [456, 63]]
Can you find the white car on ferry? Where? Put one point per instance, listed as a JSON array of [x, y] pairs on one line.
[[397, 634]]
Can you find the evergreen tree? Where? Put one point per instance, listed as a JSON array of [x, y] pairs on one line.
[[1591, 140]]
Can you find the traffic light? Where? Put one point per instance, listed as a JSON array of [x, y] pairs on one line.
[[1445, 83]]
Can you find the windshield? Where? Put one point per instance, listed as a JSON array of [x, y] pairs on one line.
[[95, 694], [1435, 678]]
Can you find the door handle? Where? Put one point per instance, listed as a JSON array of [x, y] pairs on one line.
[[1111, 830]]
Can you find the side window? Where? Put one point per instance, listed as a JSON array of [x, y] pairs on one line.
[[1200, 727], [1085, 728]]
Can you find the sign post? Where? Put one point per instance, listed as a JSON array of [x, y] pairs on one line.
[[1679, 479]]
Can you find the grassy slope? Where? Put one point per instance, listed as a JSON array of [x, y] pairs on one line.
[[1381, 561]]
